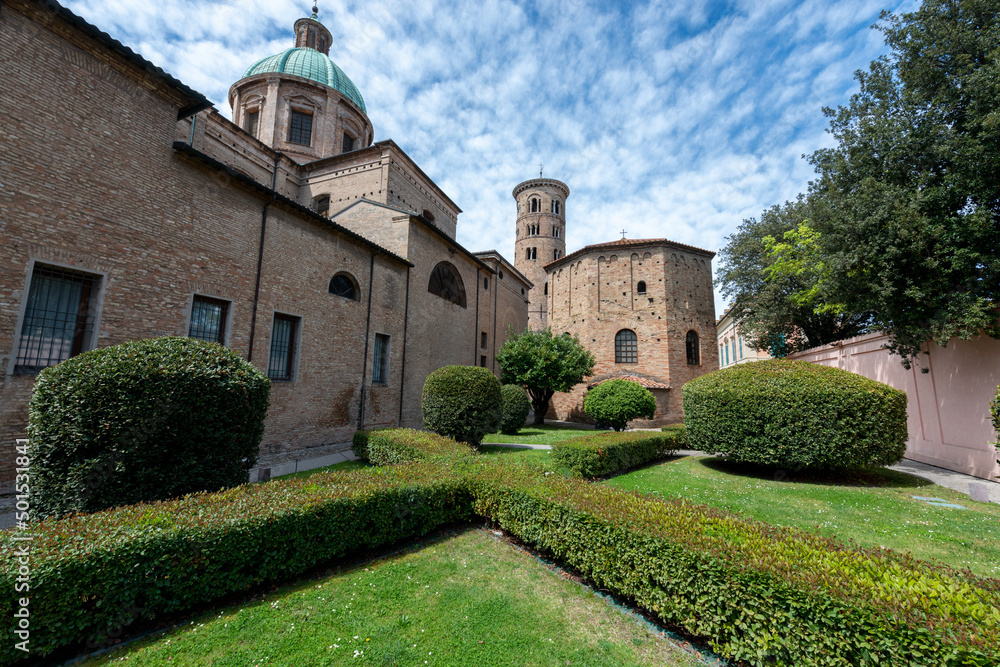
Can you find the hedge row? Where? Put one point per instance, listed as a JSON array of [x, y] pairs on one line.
[[90, 575], [608, 453], [759, 593], [390, 447]]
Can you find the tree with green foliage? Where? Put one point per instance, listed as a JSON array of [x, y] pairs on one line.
[[617, 402], [773, 304], [914, 180], [544, 364], [461, 402], [903, 221]]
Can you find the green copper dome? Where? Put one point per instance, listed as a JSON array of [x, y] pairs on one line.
[[310, 64]]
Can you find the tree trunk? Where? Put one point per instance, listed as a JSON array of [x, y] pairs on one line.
[[540, 403]]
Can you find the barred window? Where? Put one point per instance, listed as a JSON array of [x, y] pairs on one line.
[[208, 319], [626, 347], [284, 331], [58, 318], [300, 128], [348, 143], [693, 349], [380, 360]]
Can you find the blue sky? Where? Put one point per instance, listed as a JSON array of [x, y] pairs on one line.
[[665, 118]]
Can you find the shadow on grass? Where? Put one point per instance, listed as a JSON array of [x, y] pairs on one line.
[[859, 477]]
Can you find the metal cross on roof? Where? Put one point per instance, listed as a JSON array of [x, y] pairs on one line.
[[539, 170], [623, 235]]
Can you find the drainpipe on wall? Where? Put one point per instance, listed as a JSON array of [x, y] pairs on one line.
[[402, 370], [364, 359], [475, 337], [260, 249], [496, 288]]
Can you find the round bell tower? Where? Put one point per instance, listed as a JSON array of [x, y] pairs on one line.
[[540, 235]]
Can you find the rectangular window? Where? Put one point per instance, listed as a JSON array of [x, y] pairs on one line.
[[284, 331], [727, 355], [482, 340], [734, 350], [58, 318], [482, 361], [741, 347], [253, 119], [208, 319], [348, 143], [300, 129], [380, 360], [322, 205]]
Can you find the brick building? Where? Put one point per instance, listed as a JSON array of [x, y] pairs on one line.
[[644, 308], [130, 208]]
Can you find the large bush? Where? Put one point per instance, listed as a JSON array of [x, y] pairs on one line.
[[608, 453], [797, 415], [617, 402], [144, 420], [462, 402], [515, 407]]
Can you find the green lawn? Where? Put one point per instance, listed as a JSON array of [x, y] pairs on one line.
[[468, 599], [545, 434], [875, 509]]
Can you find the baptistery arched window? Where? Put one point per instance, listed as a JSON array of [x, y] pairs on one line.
[[447, 283], [693, 349], [343, 284], [626, 347]]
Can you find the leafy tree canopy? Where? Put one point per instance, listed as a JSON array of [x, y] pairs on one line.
[[904, 220], [770, 270], [544, 364]]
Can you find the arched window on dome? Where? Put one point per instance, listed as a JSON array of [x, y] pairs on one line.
[[343, 284], [446, 282], [626, 347], [693, 348]]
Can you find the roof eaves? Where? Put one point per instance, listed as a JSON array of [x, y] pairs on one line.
[[250, 183], [196, 101]]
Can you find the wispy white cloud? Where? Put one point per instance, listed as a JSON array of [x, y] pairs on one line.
[[666, 119]]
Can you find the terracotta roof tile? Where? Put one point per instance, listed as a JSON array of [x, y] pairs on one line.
[[620, 243]]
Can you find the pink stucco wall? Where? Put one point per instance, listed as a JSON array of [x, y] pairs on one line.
[[949, 406]]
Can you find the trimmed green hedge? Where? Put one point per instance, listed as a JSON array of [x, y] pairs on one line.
[[144, 420], [617, 402], [762, 594], [515, 407], [796, 414], [359, 443], [677, 434], [93, 574], [388, 447], [461, 402], [608, 453]]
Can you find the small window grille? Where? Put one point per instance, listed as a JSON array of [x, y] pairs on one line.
[[380, 360], [282, 361], [58, 319], [626, 347], [208, 319], [300, 128], [693, 349], [348, 143]]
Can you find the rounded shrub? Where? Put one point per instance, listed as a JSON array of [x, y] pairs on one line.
[[515, 407], [617, 402], [145, 420], [797, 415], [462, 402]]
